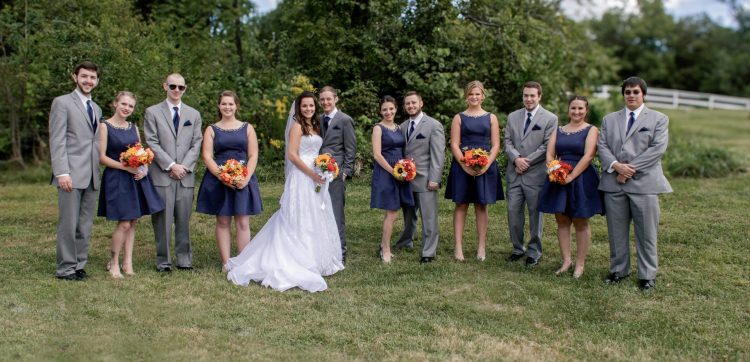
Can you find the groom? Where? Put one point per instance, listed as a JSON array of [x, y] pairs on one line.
[[173, 131], [340, 141], [425, 143], [74, 148]]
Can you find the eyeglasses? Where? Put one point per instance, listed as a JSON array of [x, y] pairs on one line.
[[634, 92], [175, 86]]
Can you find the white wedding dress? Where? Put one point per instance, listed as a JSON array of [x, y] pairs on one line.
[[300, 242]]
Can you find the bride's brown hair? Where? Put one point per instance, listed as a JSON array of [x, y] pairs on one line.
[[314, 121]]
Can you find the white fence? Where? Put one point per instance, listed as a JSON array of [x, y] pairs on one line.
[[672, 98]]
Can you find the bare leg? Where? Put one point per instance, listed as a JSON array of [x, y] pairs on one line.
[[385, 242], [459, 219], [223, 236], [242, 224], [583, 240], [127, 259], [563, 238], [119, 236], [482, 221]]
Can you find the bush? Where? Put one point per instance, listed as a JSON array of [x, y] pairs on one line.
[[694, 159]]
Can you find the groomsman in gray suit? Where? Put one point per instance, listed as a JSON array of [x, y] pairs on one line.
[[340, 141], [425, 143], [173, 131], [74, 149], [526, 136], [631, 144]]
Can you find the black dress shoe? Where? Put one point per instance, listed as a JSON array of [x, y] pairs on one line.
[[71, 277], [515, 257], [163, 269], [81, 274], [646, 284], [184, 267], [426, 259], [531, 261], [612, 278]]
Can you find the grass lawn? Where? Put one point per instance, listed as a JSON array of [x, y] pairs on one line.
[[471, 310]]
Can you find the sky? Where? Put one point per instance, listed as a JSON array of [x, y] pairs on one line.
[[718, 11]]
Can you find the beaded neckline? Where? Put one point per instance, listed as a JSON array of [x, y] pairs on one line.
[[231, 130], [120, 128], [574, 132], [470, 116], [394, 129]]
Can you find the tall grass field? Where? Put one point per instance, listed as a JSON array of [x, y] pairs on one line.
[[447, 310]]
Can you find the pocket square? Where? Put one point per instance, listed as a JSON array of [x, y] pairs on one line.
[[536, 128], [644, 129], [336, 127], [187, 123], [419, 137]]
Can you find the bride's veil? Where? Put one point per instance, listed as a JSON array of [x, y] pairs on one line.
[[289, 122]]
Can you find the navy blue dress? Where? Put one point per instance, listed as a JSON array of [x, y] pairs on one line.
[[463, 188], [387, 193], [214, 198], [581, 198], [121, 197]]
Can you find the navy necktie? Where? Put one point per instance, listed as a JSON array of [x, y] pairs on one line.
[[528, 122], [90, 111], [326, 119], [176, 118], [411, 129], [631, 120]]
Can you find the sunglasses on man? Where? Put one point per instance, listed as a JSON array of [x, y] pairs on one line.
[[175, 86]]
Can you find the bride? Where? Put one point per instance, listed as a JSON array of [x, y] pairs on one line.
[[300, 243]]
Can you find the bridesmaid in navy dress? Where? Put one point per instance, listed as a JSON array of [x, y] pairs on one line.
[[579, 198], [473, 128], [387, 193], [230, 138], [126, 192]]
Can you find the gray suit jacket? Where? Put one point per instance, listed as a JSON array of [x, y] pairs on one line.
[[427, 147], [340, 141], [532, 145], [182, 148], [73, 144], [643, 148]]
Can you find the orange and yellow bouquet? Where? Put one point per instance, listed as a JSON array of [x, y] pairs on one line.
[[136, 156], [405, 170], [558, 171], [476, 158], [326, 166], [232, 172]]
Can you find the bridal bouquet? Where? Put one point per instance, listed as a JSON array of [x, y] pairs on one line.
[[476, 158], [325, 165], [136, 156], [232, 172], [405, 170], [558, 171]]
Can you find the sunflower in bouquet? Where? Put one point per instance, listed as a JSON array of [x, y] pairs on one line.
[[476, 158], [405, 170], [325, 165]]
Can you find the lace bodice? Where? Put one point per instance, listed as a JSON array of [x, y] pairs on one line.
[[309, 146]]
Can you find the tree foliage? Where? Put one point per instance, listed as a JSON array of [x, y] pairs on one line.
[[366, 49]]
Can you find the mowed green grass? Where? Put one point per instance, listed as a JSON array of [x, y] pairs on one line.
[[469, 310]]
